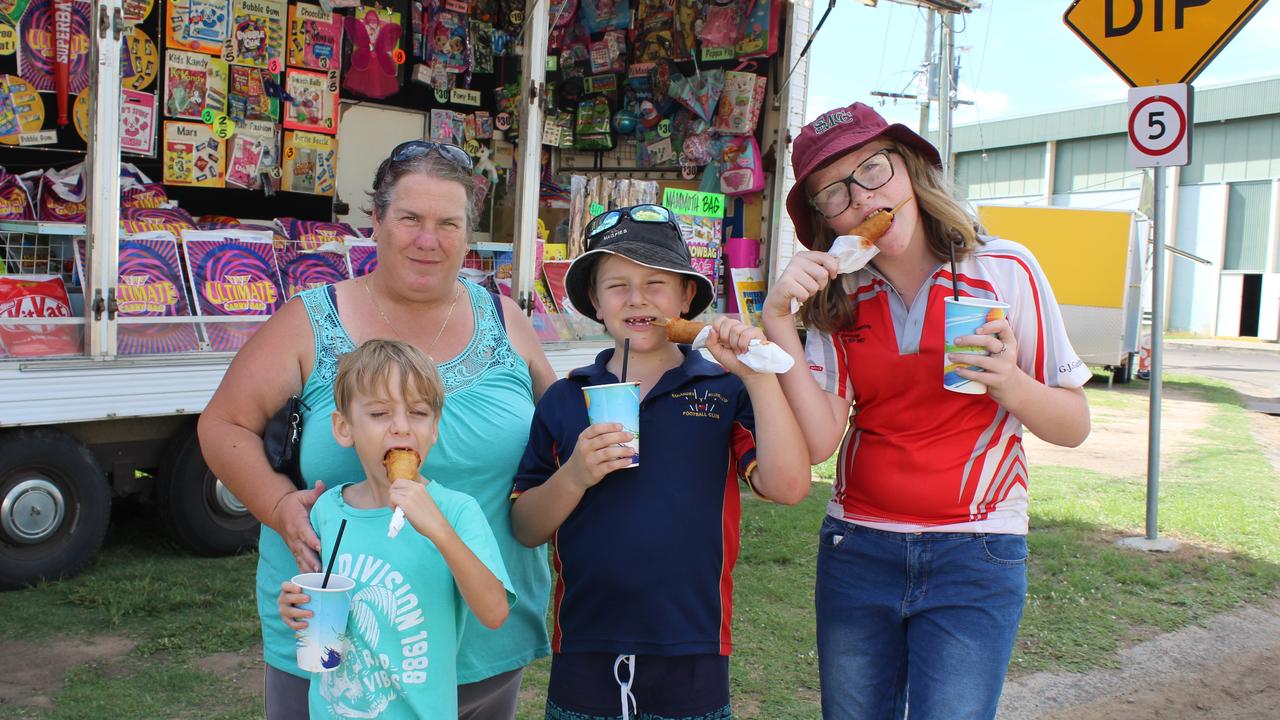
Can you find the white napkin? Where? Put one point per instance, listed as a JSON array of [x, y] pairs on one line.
[[850, 255], [396, 524], [763, 357]]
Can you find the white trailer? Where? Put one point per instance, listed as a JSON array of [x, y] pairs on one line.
[[77, 432]]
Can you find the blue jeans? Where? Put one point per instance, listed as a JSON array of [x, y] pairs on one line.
[[933, 615]]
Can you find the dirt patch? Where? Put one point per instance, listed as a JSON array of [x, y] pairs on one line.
[[1246, 687], [31, 674], [1266, 431], [1225, 669], [244, 669], [1117, 444]]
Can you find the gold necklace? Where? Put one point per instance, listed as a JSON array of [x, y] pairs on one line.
[[448, 316]]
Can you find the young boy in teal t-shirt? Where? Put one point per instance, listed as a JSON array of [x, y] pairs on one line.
[[412, 590]]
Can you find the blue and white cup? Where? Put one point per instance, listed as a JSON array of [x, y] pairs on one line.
[[322, 643], [963, 317], [617, 403]]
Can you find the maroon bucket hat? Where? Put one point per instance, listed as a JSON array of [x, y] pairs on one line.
[[832, 135]]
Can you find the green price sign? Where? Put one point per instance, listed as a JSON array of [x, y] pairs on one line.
[[223, 126], [692, 202], [595, 209]]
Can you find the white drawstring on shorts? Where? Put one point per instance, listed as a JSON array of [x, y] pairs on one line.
[[627, 699]]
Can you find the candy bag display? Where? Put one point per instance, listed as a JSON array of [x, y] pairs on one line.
[[62, 195], [740, 103], [36, 296], [15, 203], [139, 220], [601, 15], [699, 93], [311, 235], [741, 170], [144, 195]]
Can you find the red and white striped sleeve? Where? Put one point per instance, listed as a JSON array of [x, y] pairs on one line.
[[826, 359]]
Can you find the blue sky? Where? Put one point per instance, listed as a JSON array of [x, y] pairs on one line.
[[1020, 59]]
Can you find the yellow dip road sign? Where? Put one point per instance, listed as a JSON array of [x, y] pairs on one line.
[[1158, 42]]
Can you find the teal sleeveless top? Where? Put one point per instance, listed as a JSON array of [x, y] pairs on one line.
[[483, 432]]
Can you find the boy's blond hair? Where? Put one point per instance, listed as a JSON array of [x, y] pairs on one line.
[[367, 369]]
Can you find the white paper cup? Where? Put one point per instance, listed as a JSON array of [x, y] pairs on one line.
[[963, 317], [617, 403], [324, 640]]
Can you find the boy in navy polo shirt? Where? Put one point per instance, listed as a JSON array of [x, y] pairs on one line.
[[645, 555]]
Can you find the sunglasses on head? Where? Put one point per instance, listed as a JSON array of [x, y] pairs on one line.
[[637, 213], [421, 148]]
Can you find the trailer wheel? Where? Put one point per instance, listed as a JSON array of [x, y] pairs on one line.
[[199, 512], [1123, 373], [55, 505]]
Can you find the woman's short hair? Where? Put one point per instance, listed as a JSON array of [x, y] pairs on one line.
[[367, 370], [431, 164]]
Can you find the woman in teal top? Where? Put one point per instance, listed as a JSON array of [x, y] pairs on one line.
[[493, 368]]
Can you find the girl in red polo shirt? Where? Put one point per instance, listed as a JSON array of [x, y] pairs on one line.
[[922, 561]]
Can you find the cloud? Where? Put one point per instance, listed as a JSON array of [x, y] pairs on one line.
[[987, 105], [818, 104]]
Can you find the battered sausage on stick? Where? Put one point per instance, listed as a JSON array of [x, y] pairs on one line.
[[681, 331], [876, 225], [401, 464]]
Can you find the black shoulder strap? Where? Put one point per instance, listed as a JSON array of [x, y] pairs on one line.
[[497, 304]]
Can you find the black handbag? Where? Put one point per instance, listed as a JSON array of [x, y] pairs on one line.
[[282, 440]]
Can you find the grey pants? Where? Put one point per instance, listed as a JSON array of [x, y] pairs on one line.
[[286, 695], [493, 698]]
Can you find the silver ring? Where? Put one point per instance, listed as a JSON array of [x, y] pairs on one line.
[[1003, 346]]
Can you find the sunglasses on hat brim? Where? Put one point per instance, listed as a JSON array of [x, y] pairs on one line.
[[637, 213], [421, 148]]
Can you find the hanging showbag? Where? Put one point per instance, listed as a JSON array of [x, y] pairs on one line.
[[448, 38], [741, 171], [740, 103], [601, 15], [699, 93], [684, 29], [374, 65], [593, 129], [759, 35], [721, 28]]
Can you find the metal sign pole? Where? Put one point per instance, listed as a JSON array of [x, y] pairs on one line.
[[1157, 354]]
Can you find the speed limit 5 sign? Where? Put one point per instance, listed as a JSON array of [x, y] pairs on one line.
[[1159, 126]]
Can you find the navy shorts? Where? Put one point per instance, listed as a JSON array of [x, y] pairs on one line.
[[583, 686]]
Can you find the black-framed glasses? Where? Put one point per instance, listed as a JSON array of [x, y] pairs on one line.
[[871, 174], [638, 213], [421, 148]]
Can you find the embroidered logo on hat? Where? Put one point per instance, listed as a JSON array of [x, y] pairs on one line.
[[832, 119]]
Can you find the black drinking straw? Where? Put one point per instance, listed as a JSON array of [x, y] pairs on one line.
[[955, 277], [333, 555], [626, 352]]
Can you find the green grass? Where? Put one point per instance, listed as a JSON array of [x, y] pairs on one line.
[[1087, 599]]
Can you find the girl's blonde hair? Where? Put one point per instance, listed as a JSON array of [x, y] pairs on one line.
[[945, 220], [367, 371]]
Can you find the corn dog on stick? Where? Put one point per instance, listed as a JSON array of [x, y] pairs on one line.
[[871, 229], [401, 464], [683, 331]]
